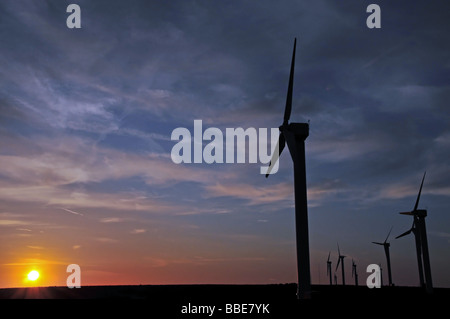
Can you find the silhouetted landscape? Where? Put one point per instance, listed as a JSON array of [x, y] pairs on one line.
[[281, 298]]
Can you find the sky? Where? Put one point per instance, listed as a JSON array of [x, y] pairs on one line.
[[86, 117]]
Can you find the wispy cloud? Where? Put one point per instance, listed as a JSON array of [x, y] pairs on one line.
[[138, 231], [72, 211], [106, 240], [66, 160], [35, 247], [200, 260], [36, 261], [111, 220], [253, 194], [440, 234], [11, 222]]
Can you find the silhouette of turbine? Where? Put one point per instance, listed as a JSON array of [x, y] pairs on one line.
[[381, 275], [416, 234], [386, 246], [420, 232], [341, 259], [354, 273], [295, 134], [329, 268]]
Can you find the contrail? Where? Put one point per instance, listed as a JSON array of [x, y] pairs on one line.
[[385, 53], [71, 211]]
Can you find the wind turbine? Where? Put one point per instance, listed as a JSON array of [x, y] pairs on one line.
[[341, 258], [295, 134], [420, 233], [381, 275], [355, 273], [329, 268], [416, 234], [386, 246]]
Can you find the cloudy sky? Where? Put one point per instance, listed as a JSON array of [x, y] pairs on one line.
[[86, 117]]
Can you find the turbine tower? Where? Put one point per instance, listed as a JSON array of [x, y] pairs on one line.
[[386, 246], [329, 269], [295, 134], [354, 273], [341, 259], [419, 224]]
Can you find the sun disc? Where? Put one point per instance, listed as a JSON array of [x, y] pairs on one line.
[[33, 275]]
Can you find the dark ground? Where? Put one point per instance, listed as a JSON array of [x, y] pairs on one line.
[[169, 300]]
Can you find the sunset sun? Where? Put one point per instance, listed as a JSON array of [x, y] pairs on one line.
[[33, 275]]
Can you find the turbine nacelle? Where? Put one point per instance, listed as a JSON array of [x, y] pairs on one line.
[[354, 269], [340, 257], [299, 129], [385, 243]]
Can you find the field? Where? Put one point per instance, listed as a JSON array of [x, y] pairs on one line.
[[196, 301]]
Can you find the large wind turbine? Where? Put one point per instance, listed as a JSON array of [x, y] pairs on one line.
[[386, 246], [295, 135], [420, 233], [341, 259], [329, 268]]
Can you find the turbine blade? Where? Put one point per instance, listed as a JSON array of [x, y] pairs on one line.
[[420, 191], [374, 242], [339, 252], [337, 266], [328, 256], [280, 147], [388, 234], [288, 108], [404, 234], [407, 213]]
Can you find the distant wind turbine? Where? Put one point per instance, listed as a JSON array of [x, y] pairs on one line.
[[416, 234], [386, 246], [295, 134], [354, 273], [329, 269], [381, 275], [420, 232], [341, 260]]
